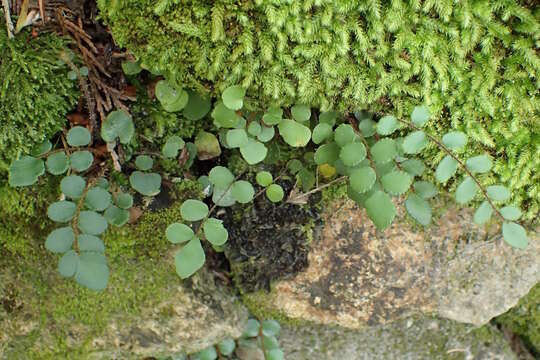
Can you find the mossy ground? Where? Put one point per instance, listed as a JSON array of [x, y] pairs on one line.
[[31, 288]]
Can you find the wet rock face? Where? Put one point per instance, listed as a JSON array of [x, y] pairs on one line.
[[358, 276], [268, 242]]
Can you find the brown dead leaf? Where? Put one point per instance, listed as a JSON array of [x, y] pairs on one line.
[[134, 214], [78, 118], [130, 91]]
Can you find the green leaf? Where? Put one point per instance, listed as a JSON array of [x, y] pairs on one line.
[[226, 347], [294, 166], [301, 113], [419, 209], [294, 133], [131, 67], [479, 164], [327, 154], [215, 232], [57, 163], [510, 213], [145, 184], [92, 271], [498, 193], [270, 343], [97, 199], [274, 354], [144, 162], [178, 233], [264, 178], [61, 211], [344, 134], [78, 136], [254, 152], [273, 116], [414, 142], [466, 191], [455, 140], [197, 106], [321, 132], [384, 151], [209, 353], [166, 93], [102, 183], [270, 328], [207, 146], [83, 70], [396, 182], [233, 97], [242, 191], [116, 216], [90, 243], [367, 127], [193, 210], [60, 240], [177, 105], [446, 169], [72, 75], [274, 193], [223, 116], [328, 117], [362, 180], [483, 213], [414, 167], [73, 186], [425, 189], [387, 125], [220, 176], [67, 266], [515, 235], [254, 128], [267, 134], [189, 259], [223, 197], [172, 146], [380, 209], [81, 160], [352, 153], [90, 222], [420, 115], [124, 200], [307, 178], [25, 171], [237, 138], [42, 148], [252, 329], [118, 124]]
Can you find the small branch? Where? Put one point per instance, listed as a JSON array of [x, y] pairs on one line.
[[458, 160], [7, 14], [303, 195]]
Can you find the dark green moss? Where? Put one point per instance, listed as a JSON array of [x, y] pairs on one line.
[[35, 92], [524, 320]]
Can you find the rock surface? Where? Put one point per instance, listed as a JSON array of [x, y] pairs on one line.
[[358, 276], [414, 338]]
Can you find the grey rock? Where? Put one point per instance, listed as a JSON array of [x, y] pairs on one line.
[[359, 276], [412, 339]]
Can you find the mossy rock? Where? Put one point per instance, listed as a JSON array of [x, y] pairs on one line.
[[524, 320], [35, 92], [422, 338], [146, 309]]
